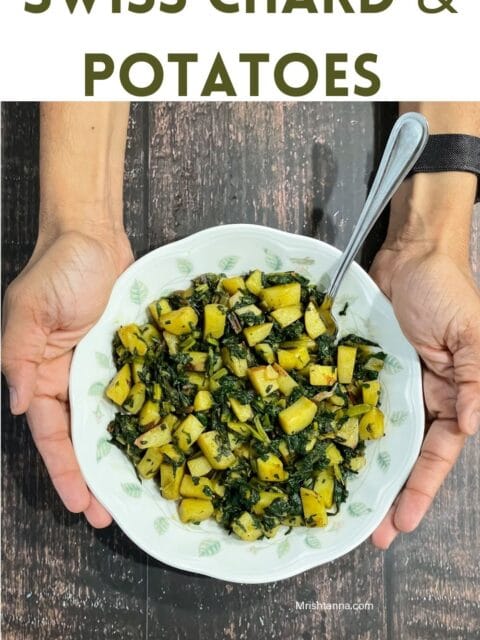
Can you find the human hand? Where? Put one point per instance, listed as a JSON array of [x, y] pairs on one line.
[[48, 308], [437, 305]]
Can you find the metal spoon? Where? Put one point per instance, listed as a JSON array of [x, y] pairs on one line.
[[407, 140]]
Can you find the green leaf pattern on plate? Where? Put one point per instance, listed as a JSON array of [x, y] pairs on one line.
[[357, 509], [103, 448], [96, 389], [283, 548], [132, 490], [393, 365], [138, 292], [161, 525], [102, 360], [228, 263], [384, 460], [312, 541], [208, 548], [303, 262], [184, 266], [272, 261], [398, 418]]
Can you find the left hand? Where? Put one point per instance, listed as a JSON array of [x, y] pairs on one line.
[[437, 305]]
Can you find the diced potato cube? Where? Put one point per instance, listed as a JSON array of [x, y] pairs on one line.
[[174, 454], [170, 480], [246, 527], [265, 351], [197, 379], [243, 412], [238, 366], [119, 387], [322, 375], [346, 357], [314, 324], [196, 488], [293, 358], [199, 466], [286, 383], [270, 373], [214, 318], [324, 485], [180, 321], [286, 316], [372, 425], [171, 342], [271, 469], [265, 500], [302, 341], [149, 414], [150, 463], [216, 450], [257, 333], [195, 510], [187, 432], [218, 487], [371, 392], [155, 437], [262, 385], [157, 308], [170, 421], [135, 398], [297, 416], [357, 463], [314, 510], [254, 282], [131, 337], [234, 284], [333, 455], [203, 400], [198, 360], [149, 334], [282, 295], [348, 433]]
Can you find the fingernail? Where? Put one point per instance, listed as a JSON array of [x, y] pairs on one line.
[[13, 398], [474, 423]]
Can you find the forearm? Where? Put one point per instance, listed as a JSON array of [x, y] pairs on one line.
[[82, 151], [433, 211]]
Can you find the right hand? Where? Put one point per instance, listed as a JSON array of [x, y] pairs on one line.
[[48, 308]]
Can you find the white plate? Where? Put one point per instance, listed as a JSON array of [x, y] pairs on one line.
[[152, 522]]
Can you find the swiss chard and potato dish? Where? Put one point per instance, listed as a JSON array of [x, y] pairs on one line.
[[238, 399]]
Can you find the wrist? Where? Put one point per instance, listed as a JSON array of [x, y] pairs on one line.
[[432, 212]]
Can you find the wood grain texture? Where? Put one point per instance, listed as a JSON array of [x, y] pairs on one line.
[[300, 167]]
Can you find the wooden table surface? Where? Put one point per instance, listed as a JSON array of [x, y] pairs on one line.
[[300, 167]]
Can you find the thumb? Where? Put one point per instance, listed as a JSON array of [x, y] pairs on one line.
[[466, 359], [23, 345]]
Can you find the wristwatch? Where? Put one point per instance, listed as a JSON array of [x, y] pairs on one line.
[[451, 152]]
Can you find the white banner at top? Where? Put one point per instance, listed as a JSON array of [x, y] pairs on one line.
[[240, 50]]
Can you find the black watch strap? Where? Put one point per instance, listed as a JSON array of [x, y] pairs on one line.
[[450, 152]]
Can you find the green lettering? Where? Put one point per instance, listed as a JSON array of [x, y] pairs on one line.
[[224, 7], [92, 74], [254, 60], [346, 6], [179, 5], [372, 77], [333, 74], [72, 5], [182, 59], [147, 5], [291, 5], [369, 6], [218, 80], [250, 6], [279, 74], [37, 8], [126, 68]]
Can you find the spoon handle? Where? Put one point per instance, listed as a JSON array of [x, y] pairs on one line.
[[405, 145]]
